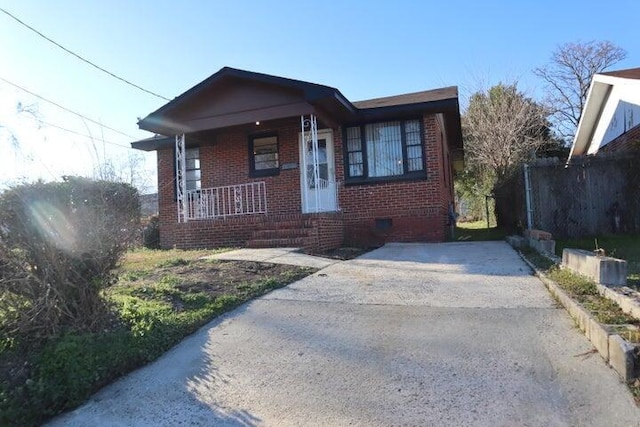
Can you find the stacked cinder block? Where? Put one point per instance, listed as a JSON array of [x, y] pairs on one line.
[[540, 240]]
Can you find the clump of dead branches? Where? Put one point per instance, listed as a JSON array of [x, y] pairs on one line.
[[59, 245]]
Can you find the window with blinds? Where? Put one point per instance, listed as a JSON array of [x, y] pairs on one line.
[[354, 152], [384, 150]]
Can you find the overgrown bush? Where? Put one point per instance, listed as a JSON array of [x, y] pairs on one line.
[[59, 244], [151, 234]]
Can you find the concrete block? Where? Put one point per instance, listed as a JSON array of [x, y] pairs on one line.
[[579, 314], [583, 319], [543, 246], [601, 269], [574, 309], [517, 242], [564, 299], [548, 246], [599, 337], [537, 234], [623, 358], [628, 299]]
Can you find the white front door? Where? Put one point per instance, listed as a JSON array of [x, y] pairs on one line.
[[320, 196]]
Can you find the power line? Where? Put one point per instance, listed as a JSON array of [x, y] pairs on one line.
[[65, 108], [81, 134], [45, 165], [82, 58]]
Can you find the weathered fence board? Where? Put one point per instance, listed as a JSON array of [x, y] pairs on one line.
[[593, 195]]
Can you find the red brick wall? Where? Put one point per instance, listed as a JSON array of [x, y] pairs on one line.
[[328, 231], [417, 209], [230, 232], [226, 162], [630, 140]]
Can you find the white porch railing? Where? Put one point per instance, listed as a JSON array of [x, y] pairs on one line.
[[231, 200]]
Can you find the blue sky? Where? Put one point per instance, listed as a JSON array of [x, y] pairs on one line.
[[366, 49]]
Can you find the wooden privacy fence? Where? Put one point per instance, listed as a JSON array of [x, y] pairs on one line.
[[593, 195]]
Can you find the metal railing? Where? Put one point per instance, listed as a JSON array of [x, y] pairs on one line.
[[230, 200], [326, 197]]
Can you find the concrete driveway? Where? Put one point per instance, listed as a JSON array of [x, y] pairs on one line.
[[409, 334]]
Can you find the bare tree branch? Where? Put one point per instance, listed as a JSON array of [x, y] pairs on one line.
[[29, 110], [502, 127], [568, 75]]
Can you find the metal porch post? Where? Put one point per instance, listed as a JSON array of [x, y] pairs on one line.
[[311, 136], [181, 179]]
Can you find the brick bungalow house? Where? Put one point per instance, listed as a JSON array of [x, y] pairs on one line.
[[257, 160], [610, 119]]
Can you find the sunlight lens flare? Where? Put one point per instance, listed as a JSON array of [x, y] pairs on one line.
[[54, 225]]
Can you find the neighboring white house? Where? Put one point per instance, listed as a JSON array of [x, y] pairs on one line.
[[612, 110]]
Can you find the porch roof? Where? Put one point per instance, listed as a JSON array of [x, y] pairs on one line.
[[234, 97]]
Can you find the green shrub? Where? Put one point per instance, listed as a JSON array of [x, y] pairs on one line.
[[151, 234], [59, 245]]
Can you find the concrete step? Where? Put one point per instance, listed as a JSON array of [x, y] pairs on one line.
[[281, 233], [296, 242], [286, 224]]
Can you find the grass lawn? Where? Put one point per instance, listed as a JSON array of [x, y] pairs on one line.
[[141, 259], [160, 297], [625, 247], [477, 231]]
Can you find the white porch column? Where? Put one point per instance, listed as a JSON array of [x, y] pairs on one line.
[[181, 179], [310, 135]]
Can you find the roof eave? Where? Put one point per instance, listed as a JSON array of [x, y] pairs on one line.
[[596, 100], [311, 90], [601, 86], [153, 144], [449, 107], [439, 106], [313, 93]]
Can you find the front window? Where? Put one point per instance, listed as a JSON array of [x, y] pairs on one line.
[[193, 177], [263, 153], [384, 150]]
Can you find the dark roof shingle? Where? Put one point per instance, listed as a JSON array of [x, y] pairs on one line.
[[630, 73], [409, 98]]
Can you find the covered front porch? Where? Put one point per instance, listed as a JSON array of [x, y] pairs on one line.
[[249, 144], [316, 172]]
